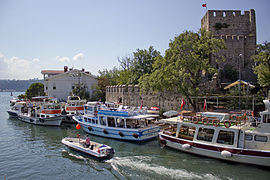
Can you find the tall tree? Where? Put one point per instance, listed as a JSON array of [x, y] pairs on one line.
[[184, 65], [105, 78], [262, 64], [35, 89], [133, 67]]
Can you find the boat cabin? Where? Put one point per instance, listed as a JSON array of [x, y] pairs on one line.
[[228, 133], [98, 114]]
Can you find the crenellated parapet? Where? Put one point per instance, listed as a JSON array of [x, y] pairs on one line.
[[238, 30]]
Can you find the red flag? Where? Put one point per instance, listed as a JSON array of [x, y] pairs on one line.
[[203, 5], [141, 104], [205, 105], [182, 104]]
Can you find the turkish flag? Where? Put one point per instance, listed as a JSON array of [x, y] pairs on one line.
[[203, 5], [183, 103], [141, 105], [204, 106]]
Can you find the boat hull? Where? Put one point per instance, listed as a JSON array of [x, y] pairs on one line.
[[256, 157], [12, 113], [86, 151], [51, 121], [128, 134]]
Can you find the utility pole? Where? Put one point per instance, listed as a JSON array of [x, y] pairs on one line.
[[239, 85]]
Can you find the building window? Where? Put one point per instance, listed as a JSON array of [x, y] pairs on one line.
[[73, 87], [205, 134], [54, 87], [225, 137]]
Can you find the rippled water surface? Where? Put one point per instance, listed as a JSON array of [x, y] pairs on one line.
[[36, 152]]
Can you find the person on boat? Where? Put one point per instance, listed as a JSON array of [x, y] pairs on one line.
[[87, 141]]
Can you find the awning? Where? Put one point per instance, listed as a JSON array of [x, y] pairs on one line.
[[237, 82]]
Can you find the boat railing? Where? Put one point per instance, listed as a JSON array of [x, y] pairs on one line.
[[214, 121]]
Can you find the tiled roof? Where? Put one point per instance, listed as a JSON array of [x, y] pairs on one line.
[[52, 71]]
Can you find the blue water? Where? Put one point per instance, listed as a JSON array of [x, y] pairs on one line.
[[36, 152]]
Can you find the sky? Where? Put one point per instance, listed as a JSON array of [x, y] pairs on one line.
[[40, 35]]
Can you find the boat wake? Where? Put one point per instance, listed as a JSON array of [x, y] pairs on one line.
[[143, 166], [79, 157]]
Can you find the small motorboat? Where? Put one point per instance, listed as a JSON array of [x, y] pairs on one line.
[[96, 150]]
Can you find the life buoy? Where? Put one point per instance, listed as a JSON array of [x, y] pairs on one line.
[[105, 131], [90, 128], [205, 120], [135, 135], [227, 124], [233, 117], [195, 120], [95, 113], [121, 134], [216, 122]]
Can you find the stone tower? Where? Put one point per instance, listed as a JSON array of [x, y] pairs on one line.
[[239, 34]]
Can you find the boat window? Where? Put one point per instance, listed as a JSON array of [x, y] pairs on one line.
[[120, 122], [102, 121], [111, 122], [260, 138], [248, 137], [89, 108], [225, 137], [187, 132], [205, 134], [94, 121], [85, 119]]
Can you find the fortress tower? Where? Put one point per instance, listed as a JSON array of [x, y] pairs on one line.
[[239, 34]]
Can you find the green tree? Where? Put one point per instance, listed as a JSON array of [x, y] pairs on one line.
[[184, 65], [229, 73], [105, 78], [135, 66], [80, 89], [262, 65], [35, 89]]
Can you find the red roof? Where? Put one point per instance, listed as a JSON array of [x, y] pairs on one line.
[[52, 71]]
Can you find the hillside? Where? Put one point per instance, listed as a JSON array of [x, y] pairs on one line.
[[17, 85]]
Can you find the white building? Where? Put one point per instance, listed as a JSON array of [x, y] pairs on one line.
[[60, 84]]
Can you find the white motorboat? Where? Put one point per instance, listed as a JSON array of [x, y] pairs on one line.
[[17, 108], [47, 114], [132, 124], [237, 137], [96, 150]]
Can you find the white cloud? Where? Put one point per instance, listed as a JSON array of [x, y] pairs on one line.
[[62, 59], [35, 60], [18, 68], [78, 57]]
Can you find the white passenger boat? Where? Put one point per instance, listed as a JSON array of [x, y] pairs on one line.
[[17, 108], [96, 150], [131, 124], [73, 106], [237, 138], [48, 114]]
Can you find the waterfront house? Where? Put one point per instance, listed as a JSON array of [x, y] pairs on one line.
[[60, 84]]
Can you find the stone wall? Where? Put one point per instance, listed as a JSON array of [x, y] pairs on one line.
[[239, 34], [131, 96]]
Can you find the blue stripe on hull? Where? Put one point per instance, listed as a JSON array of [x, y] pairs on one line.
[[143, 135]]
